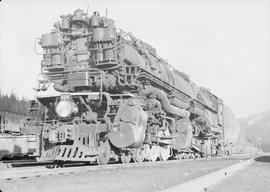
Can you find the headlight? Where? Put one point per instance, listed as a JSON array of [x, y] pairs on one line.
[[64, 109]]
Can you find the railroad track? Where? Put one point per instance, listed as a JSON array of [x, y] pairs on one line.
[[38, 171], [34, 162]]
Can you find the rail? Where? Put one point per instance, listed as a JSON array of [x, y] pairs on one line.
[[17, 173]]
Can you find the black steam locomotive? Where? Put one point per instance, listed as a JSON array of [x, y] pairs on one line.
[[107, 95]]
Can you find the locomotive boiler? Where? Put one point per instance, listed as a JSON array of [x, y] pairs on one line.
[[108, 95]]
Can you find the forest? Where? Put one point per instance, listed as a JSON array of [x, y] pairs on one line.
[[12, 103]]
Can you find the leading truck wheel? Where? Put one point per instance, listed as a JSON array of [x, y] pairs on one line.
[[125, 158], [104, 153]]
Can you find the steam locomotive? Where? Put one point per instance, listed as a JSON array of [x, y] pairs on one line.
[[108, 95]]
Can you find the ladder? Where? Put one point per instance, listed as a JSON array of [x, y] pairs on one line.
[[32, 112]]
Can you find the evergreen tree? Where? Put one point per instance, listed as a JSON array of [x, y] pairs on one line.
[[12, 103]]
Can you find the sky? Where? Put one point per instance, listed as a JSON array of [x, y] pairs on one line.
[[222, 45]]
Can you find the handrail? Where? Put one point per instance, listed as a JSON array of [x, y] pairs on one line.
[[35, 47]]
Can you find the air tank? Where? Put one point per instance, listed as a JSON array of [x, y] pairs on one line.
[[56, 59], [47, 59], [108, 54], [101, 34], [51, 40], [98, 34], [56, 56], [99, 55]]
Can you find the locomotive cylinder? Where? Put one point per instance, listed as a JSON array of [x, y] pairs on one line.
[[131, 121]]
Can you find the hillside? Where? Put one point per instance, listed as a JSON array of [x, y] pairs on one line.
[[256, 128]]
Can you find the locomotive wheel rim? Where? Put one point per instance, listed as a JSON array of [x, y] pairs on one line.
[[190, 156], [154, 153], [104, 153], [164, 153], [138, 156], [125, 158], [180, 156], [177, 156]]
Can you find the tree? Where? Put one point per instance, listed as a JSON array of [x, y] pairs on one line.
[[12, 103]]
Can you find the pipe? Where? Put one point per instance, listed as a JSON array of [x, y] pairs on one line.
[[161, 96], [172, 125], [36, 46], [59, 86]]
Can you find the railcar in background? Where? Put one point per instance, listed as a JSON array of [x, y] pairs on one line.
[[14, 144]]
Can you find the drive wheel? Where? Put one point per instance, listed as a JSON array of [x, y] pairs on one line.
[[154, 153], [164, 153], [138, 155], [125, 158], [104, 153], [180, 156]]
